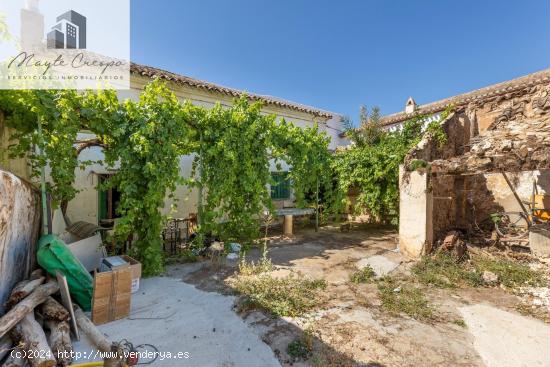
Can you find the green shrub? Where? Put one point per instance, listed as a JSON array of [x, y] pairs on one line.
[[298, 349], [364, 275], [288, 296]]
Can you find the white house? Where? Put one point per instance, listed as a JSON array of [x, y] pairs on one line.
[[91, 205]]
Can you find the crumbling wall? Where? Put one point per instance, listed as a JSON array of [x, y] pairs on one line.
[[19, 228], [466, 202], [459, 129], [445, 203], [502, 130], [530, 102]]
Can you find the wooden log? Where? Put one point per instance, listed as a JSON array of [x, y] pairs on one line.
[[60, 341], [87, 327], [22, 290], [15, 359], [53, 310], [97, 338], [38, 273], [5, 346], [34, 341], [19, 311]]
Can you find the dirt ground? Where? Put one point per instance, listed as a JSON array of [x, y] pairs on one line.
[[350, 328]]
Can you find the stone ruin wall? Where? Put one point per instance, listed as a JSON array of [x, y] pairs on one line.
[[465, 201]]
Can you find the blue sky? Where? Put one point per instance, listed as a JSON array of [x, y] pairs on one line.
[[338, 55]]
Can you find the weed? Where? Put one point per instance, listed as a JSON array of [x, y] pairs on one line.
[[250, 268], [417, 164], [443, 270], [404, 299], [364, 275], [185, 256], [459, 322], [289, 296], [298, 349], [510, 274]]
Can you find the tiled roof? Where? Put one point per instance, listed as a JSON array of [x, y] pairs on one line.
[[151, 72], [478, 95]]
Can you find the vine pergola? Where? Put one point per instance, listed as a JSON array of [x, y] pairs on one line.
[[144, 140]]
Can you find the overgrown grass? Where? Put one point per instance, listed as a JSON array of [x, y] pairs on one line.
[[404, 299], [288, 296], [510, 274], [364, 275], [445, 271]]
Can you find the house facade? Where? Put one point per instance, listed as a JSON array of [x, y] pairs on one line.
[[92, 205]]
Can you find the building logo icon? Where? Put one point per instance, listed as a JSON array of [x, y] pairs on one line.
[[69, 32]]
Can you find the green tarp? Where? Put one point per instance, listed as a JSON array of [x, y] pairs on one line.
[[53, 255]]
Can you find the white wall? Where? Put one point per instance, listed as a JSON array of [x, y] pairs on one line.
[[415, 213]]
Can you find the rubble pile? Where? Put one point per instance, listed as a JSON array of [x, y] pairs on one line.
[[514, 146]]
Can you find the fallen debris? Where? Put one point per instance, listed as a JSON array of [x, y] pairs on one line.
[[489, 277], [453, 244]]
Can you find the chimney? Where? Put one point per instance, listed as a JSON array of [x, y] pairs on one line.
[[410, 106], [31, 5], [32, 27]]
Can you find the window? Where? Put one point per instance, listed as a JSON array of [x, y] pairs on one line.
[[280, 189], [108, 201]]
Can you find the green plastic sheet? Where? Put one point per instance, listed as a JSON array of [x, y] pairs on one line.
[[54, 255]]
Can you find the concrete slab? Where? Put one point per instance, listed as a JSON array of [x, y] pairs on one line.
[[380, 264], [176, 317], [507, 339]]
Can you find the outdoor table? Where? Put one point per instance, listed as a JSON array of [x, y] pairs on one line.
[[288, 214]]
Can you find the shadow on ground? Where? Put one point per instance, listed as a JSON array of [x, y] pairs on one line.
[[349, 328]]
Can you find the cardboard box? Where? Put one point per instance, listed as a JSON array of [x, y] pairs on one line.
[[135, 266], [112, 295]]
